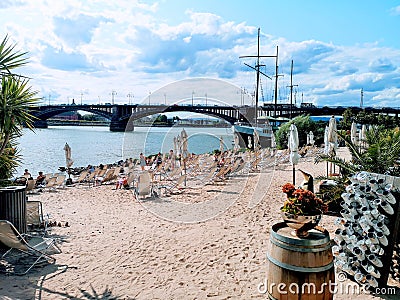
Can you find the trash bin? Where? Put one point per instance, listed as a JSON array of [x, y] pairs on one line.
[[13, 206]]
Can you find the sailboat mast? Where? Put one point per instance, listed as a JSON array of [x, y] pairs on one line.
[[257, 78], [291, 89], [276, 82], [258, 72]]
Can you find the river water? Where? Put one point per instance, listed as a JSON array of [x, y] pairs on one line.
[[43, 150]]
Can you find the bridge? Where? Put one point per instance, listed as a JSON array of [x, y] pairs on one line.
[[122, 116]]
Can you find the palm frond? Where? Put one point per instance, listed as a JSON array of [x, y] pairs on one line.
[[10, 58]]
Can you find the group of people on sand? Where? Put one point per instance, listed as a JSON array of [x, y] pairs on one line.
[[158, 160], [40, 179]]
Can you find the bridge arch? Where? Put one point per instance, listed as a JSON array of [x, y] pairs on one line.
[[45, 112], [207, 96]]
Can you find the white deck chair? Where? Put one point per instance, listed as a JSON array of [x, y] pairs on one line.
[[37, 247], [130, 180], [35, 218], [144, 186], [60, 181], [170, 189], [109, 175], [30, 186], [82, 176], [50, 183]]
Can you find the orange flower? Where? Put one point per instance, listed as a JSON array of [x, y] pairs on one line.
[[302, 202]]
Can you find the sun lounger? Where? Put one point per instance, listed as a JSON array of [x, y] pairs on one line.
[[82, 176], [35, 218], [109, 175], [30, 187], [91, 176], [175, 187], [38, 248], [60, 181], [50, 183], [130, 181], [144, 186]]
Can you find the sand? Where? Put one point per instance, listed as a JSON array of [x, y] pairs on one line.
[[210, 245]]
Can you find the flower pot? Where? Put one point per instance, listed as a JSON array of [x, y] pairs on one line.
[[301, 224]]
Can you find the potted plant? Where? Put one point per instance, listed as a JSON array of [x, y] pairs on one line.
[[302, 209]]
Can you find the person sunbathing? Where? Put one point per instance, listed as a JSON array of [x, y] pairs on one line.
[[122, 182], [40, 180]]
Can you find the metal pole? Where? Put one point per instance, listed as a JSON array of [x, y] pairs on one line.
[[257, 78], [113, 93], [294, 175], [276, 82]]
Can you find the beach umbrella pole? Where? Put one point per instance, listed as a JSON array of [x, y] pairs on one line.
[[294, 175], [327, 169]]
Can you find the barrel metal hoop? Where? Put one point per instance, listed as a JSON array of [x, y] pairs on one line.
[[299, 269], [289, 247], [300, 242]]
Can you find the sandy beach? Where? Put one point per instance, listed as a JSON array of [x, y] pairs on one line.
[[210, 245]]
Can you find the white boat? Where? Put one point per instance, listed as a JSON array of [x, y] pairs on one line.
[[246, 133], [246, 130]]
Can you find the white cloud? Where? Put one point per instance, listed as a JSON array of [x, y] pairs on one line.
[[395, 10]]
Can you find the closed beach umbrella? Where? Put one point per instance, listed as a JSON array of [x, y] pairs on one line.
[[185, 154], [273, 141], [256, 139], [311, 136], [326, 143], [363, 135], [175, 145], [221, 144], [294, 147], [249, 144], [332, 137], [353, 133], [236, 141], [273, 144], [68, 160], [184, 141], [179, 145], [308, 139]]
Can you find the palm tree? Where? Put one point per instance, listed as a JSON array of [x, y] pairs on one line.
[[16, 96], [381, 156]]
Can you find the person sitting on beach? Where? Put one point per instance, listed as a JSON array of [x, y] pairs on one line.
[[27, 174], [121, 182], [125, 183], [221, 162], [159, 159], [142, 161], [98, 180], [172, 159], [40, 180]]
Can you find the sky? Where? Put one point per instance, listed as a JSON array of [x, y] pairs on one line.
[[133, 51]]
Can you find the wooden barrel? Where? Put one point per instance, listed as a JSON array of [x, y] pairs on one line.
[[300, 268]]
